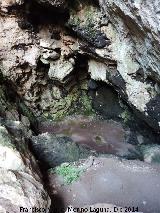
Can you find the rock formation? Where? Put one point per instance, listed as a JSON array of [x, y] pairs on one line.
[[21, 181], [119, 39], [97, 60]]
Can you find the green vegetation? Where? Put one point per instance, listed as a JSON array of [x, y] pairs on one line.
[[89, 23], [125, 116], [75, 103], [69, 172], [86, 104]]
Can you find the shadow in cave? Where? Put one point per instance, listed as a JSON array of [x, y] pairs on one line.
[[109, 105], [13, 98], [57, 204], [42, 14]]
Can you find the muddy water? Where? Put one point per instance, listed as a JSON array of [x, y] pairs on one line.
[[111, 180], [108, 179], [99, 135]]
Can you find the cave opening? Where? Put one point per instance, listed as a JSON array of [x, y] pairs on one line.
[[65, 98]]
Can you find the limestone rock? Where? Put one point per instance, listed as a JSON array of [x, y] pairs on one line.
[[119, 39], [84, 20], [129, 60], [20, 178], [27, 58], [13, 42], [134, 34], [61, 69], [5, 4], [141, 20], [97, 70], [50, 55]]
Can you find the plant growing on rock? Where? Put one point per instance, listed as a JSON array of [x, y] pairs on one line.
[[70, 173]]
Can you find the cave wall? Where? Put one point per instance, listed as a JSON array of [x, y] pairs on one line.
[[42, 41]]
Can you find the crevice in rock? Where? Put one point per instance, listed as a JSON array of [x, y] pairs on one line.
[[12, 98]]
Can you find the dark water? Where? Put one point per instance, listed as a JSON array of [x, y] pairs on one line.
[[99, 135]]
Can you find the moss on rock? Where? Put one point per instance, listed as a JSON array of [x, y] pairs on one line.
[[70, 173], [76, 102]]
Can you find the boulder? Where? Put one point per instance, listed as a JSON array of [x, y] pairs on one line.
[[52, 150], [151, 153]]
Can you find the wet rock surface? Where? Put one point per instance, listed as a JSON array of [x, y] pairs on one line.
[[103, 137], [111, 180], [151, 153], [52, 150]]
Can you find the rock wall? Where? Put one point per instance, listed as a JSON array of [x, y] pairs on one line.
[[21, 183], [51, 54], [127, 54], [38, 58], [135, 31], [42, 43]]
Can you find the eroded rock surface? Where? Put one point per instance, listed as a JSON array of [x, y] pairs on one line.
[[134, 32], [35, 62], [120, 41], [56, 4], [129, 59], [20, 179], [49, 52], [6, 4]]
